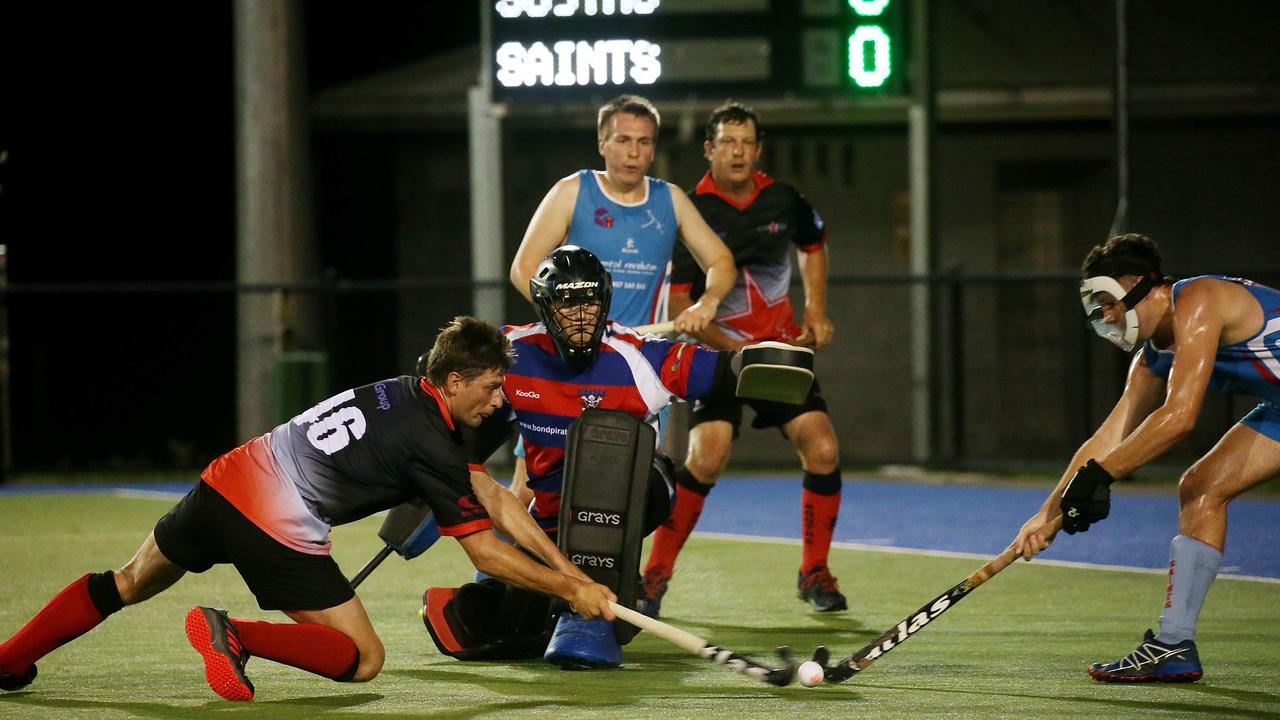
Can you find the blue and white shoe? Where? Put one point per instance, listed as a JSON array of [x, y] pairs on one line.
[[1152, 661], [581, 644]]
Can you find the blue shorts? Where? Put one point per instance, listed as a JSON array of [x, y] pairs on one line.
[[1265, 419]]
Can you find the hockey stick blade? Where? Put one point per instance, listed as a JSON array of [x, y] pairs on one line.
[[916, 621], [780, 676]]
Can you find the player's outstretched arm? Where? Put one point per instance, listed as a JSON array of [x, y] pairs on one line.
[[500, 560], [1142, 394], [513, 519], [711, 254], [547, 230]]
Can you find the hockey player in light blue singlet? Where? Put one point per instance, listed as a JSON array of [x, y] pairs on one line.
[[1205, 332], [633, 240], [630, 221]]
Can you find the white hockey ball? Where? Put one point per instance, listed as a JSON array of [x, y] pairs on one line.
[[810, 673]]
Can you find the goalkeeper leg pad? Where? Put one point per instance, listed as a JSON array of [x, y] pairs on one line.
[[488, 620], [605, 499]]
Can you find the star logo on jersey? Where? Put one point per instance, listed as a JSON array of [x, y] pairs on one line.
[[591, 398], [772, 228], [603, 218], [757, 303]]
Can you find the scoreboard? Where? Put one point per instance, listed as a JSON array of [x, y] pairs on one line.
[[580, 49]]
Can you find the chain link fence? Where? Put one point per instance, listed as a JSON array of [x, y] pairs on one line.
[[142, 376]]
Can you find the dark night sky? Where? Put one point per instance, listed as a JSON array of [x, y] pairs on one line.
[[121, 144], [119, 125]]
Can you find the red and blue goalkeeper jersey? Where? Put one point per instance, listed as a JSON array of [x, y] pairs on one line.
[[638, 374]]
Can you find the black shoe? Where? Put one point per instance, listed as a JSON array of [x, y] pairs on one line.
[[655, 586], [215, 637], [17, 681], [1152, 661], [819, 587]]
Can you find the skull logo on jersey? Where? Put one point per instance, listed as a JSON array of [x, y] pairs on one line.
[[591, 398]]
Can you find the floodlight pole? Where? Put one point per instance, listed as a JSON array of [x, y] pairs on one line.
[[484, 136], [1120, 113], [274, 238], [920, 130]]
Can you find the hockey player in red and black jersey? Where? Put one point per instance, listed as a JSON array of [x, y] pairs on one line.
[[267, 507], [762, 221]]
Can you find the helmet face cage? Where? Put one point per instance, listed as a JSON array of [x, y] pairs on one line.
[[571, 291]]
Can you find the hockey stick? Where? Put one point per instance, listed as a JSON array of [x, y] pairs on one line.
[[661, 328], [409, 529], [688, 641], [917, 620]]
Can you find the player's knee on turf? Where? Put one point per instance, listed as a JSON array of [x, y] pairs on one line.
[[372, 655]]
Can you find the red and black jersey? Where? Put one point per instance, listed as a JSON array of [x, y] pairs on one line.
[[760, 233], [361, 451]]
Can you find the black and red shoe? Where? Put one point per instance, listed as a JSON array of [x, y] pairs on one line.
[[215, 637], [819, 587], [17, 681], [652, 589]]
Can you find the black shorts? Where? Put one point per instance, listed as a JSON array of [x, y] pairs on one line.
[[204, 530], [768, 414]]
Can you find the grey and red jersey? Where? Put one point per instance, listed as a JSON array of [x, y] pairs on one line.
[[359, 452], [760, 232]]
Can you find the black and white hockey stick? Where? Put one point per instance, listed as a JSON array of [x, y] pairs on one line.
[[688, 641], [916, 621]]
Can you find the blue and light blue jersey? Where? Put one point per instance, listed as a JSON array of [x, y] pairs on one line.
[[633, 241], [1249, 367]]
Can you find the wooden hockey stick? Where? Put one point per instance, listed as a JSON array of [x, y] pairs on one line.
[[698, 646]]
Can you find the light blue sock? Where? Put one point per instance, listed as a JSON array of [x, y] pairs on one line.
[[1192, 568]]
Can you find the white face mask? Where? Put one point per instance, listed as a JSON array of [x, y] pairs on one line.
[[1124, 333]]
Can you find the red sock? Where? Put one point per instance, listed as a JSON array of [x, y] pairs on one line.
[[307, 646], [820, 512], [70, 614], [671, 535]]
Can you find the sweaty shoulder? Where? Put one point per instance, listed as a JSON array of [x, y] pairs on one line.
[[1193, 293], [1213, 299]]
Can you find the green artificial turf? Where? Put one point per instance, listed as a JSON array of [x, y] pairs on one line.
[[1016, 647]]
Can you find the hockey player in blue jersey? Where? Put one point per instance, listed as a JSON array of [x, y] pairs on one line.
[[630, 221], [1203, 332]]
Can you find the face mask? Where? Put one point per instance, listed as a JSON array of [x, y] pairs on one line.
[[1124, 334]]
